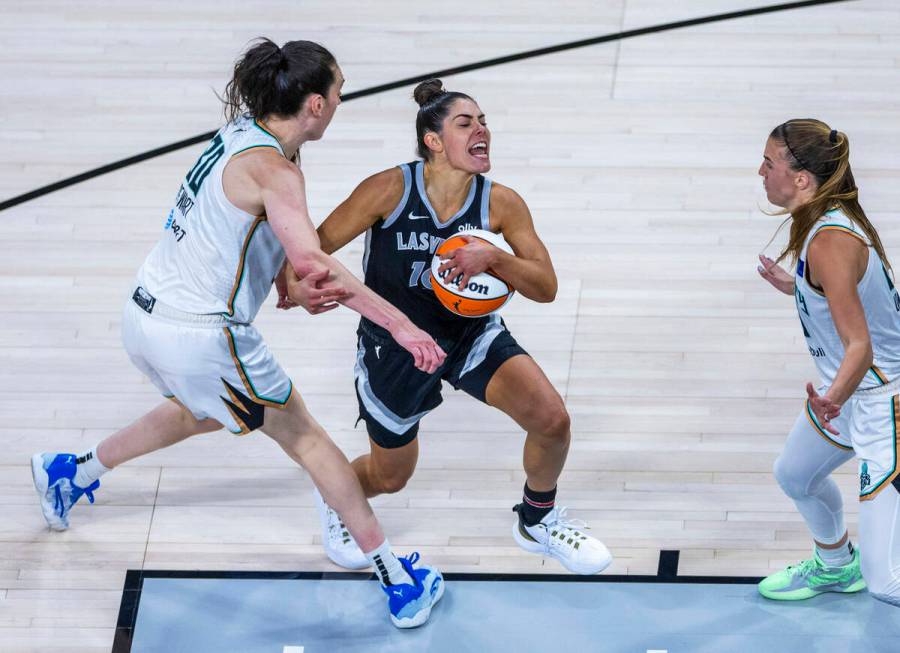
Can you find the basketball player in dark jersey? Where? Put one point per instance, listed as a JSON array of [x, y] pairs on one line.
[[406, 212]]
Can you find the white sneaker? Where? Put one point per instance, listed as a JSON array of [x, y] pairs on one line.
[[561, 538], [340, 547]]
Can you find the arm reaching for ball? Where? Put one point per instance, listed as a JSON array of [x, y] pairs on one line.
[[373, 198], [267, 183]]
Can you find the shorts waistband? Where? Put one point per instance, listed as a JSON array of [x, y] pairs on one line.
[[889, 388], [153, 307], [373, 332], [383, 337]]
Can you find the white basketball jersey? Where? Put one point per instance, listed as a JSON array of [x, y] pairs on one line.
[[213, 257], [880, 302]]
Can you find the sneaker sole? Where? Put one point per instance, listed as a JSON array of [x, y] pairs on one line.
[[806, 593], [576, 568], [415, 621], [41, 482], [344, 564], [422, 616]]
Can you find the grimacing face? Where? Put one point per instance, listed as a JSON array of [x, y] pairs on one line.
[[466, 138]]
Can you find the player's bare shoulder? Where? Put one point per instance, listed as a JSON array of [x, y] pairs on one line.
[[266, 165], [506, 206], [249, 174], [380, 193]]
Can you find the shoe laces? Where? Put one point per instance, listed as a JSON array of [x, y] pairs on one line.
[[407, 564], [562, 531], [805, 568], [89, 491], [64, 499], [562, 518], [337, 530]]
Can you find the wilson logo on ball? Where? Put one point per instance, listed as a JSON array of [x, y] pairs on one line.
[[485, 292], [477, 288]]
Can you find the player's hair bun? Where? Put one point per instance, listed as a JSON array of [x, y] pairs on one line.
[[428, 90]]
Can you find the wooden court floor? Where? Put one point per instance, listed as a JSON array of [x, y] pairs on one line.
[[683, 371]]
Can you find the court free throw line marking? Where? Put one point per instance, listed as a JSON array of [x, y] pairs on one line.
[[299, 649]]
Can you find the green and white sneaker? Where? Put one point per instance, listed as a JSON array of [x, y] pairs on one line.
[[811, 578]]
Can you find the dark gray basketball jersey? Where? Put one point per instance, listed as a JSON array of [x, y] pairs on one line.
[[400, 246]]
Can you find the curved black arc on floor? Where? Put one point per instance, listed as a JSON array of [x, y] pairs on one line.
[[617, 36]]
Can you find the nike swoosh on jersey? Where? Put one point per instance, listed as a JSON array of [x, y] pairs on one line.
[[418, 217]]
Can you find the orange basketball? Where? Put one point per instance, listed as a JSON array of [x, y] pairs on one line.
[[485, 292]]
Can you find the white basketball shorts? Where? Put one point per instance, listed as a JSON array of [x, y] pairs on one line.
[[868, 427], [218, 370]]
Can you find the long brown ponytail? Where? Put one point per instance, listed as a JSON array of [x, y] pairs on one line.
[[269, 80], [825, 153]]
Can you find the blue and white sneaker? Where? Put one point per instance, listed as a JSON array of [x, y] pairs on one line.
[[432, 579], [411, 605], [54, 475]]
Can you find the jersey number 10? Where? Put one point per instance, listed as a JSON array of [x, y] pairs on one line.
[[205, 164], [421, 273]]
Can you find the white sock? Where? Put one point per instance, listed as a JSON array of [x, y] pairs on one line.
[[89, 468], [839, 557], [387, 566]]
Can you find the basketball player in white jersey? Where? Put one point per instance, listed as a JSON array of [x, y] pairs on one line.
[[850, 315], [406, 212], [188, 324]]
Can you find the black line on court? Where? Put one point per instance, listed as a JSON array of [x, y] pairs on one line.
[[668, 564], [134, 582], [372, 90], [128, 610]]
